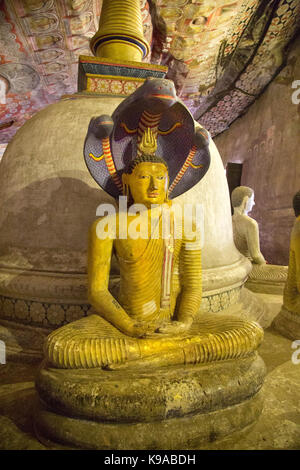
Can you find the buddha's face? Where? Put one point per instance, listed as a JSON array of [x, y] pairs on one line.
[[148, 183]]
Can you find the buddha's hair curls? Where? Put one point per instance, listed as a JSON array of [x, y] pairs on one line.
[[296, 204], [144, 158], [239, 193]]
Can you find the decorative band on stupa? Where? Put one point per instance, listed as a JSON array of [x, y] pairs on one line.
[[116, 40]]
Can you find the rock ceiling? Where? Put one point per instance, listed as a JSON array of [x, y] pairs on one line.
[[221, 54]]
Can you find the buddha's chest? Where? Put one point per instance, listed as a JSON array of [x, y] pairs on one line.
[[132, 250]]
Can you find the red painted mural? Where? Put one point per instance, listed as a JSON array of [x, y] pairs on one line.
[[221, 54]]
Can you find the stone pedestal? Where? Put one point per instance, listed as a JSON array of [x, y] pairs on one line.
[[287, 323], [266, 283], [164, 408], [267, 279]]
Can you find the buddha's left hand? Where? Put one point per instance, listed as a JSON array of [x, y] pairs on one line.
[[173, 328]]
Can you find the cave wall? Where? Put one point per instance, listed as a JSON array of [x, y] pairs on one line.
[[267, 141]]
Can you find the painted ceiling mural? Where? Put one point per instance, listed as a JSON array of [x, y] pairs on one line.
[[221, 53]]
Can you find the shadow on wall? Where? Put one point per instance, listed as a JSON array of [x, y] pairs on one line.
[[45, 225]]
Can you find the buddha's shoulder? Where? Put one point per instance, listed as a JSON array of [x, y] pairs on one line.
[[104, 227], [243, 218], [110, 223], [249, 221], [108, 219]]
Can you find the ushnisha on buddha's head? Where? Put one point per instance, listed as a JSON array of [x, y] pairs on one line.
[[242, 199], [296, 204]]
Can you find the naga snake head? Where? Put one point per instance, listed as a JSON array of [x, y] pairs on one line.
[[101, 126], [158, 94]]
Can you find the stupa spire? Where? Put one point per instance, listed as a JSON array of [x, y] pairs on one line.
[[120, 34]]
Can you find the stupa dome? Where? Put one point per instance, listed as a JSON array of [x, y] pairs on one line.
[[48, 197]]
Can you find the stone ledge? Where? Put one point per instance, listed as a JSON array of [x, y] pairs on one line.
[[163, 393], [267, 279], [288, 324], [163, 409], [178, 433]]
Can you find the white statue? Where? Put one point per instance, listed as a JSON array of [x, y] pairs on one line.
[[245, 229]]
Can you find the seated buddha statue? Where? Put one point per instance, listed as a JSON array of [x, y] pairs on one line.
[[149, 153], [245, 229], [263, 278], [291, 293]]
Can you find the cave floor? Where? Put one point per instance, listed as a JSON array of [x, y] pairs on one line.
[[277, 428]]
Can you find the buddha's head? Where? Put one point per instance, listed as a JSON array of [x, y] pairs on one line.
[[296, 204], [146, 180], [242, 198]]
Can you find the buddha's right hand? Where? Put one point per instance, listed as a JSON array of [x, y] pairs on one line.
[[138, 329]]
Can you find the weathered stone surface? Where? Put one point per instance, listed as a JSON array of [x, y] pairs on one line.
[[250, 306], [164, 408], [278, 426], [139, 396], [16, 403], [288, 324], [267, 279], [23, 342], [175, 433], [273, 303], [12, 438]]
